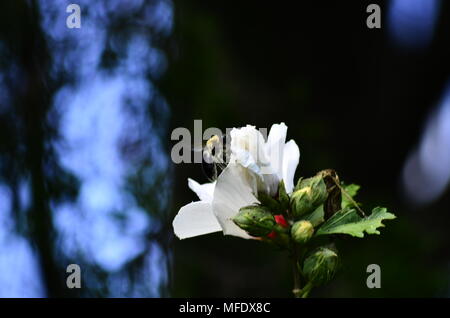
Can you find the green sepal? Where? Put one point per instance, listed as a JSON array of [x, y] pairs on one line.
[[298, 185], [283, 197], [270, 203]]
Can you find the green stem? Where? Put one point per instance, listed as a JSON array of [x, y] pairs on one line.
[[297, 255], [297, 287], [297, 291], [305, 291]]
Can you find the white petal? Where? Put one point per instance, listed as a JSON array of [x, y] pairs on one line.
[[248, 148], [204, 191], [291, 158], [195, 219], [275, 149], [244, 158], [271, 182], [277, 134], [233, 191]]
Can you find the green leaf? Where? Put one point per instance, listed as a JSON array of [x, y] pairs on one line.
[[283, 197], [270, 203], [316, 217], [351, 190], [347, 221]]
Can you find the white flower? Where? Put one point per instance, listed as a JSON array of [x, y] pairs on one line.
[[273, 160], [219, 203], [255, 165]]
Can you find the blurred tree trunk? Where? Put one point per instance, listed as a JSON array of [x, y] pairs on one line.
[[32, 103]]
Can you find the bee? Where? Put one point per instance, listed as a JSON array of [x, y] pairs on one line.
[[214, 156]]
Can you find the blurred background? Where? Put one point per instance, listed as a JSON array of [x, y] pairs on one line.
[[86, 117]]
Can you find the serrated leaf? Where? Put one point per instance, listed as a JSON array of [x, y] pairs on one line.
[[351, 190], [347, 221]]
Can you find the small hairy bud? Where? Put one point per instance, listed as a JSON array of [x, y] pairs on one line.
[[256, 220], [320, 267], [302, 231], [309, 194]]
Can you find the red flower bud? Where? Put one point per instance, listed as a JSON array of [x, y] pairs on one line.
[[279, 218], [272, 235]]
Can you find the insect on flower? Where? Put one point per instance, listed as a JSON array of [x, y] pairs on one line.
[[215, 156]]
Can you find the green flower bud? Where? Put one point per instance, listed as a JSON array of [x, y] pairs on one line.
[[320, 267], [255, 219], [302, 231], [310, 193]]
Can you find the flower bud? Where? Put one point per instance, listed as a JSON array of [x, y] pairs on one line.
[[320, 267], [302, 231], [255, 219], [280, 220], [310, 194]]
